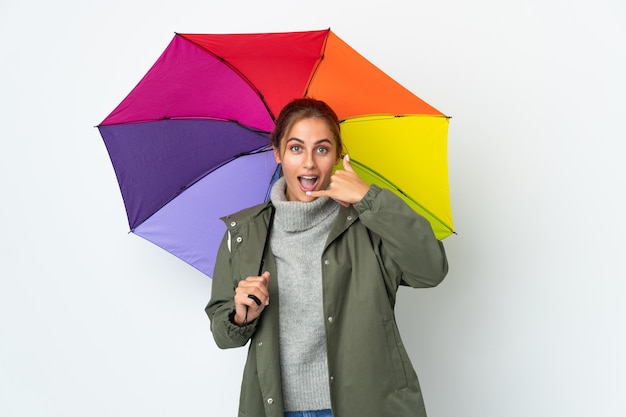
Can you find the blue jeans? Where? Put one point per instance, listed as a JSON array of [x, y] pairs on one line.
[[318, 413]]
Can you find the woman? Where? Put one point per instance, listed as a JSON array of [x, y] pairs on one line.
[[329, 252]]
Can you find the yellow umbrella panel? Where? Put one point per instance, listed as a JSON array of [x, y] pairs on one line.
[[408, 155]]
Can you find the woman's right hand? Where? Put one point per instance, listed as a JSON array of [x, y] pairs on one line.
[[246, 308]]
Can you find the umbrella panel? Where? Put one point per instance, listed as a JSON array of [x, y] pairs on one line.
[[278, 65], [405, 154], [187, 82], [353, 86], [189, 226], [155, 161]]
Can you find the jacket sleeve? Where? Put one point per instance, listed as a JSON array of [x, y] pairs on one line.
[[406, 239], [221, 307]]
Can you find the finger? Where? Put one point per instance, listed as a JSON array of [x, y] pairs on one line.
[[254, 288], [259, 290], [320, 193], [253, 302], [244, 300], [346, 163], [255, 299], [254, 281]]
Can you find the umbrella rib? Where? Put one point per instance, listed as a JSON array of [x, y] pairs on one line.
[[395, 187], [237, 71], [182, 118], [264, 148], [365, 118], [317, 65]]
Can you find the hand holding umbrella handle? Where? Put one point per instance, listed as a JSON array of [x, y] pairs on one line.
[[251, 298], [255, 299]]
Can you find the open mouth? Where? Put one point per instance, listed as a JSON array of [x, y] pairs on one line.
[[307, 182]]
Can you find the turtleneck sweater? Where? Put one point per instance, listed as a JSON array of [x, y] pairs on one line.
[[297, 240]]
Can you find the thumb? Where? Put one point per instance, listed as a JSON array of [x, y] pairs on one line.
[[266, 278], [346, 163]]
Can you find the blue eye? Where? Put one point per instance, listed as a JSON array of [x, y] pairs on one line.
[[322, 150], [295, 148]]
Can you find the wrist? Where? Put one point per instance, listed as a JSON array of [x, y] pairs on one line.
[[236, 320]]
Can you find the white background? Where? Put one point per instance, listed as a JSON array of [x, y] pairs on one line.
[[531, 320]]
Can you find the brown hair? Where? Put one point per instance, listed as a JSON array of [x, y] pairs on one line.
[[304, 108]]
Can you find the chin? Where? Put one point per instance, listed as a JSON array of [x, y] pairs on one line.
[[299, 196], [306, 198]]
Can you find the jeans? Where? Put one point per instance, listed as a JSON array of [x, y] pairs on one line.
[[317, 413]]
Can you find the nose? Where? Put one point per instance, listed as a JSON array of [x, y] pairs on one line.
[[309, 161]]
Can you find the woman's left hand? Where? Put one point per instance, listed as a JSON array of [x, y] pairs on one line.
[[346, 187]]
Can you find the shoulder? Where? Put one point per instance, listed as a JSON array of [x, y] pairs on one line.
[[247, 214], [376, 198]]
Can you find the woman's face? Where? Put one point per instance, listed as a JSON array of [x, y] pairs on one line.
[[308, 153]]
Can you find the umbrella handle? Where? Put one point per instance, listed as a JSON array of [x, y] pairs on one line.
[[267, 240]]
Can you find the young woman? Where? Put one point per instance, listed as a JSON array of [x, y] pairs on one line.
[[310, 278]]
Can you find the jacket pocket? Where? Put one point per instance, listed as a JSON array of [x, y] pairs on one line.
[[394, 348]]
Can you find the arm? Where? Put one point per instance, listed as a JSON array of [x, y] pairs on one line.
[[408, 245], [407, 240], [221, 307]]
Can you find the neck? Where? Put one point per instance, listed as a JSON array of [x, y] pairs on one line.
[[299, 215]]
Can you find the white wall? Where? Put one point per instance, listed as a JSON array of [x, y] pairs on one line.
[[531, 319]]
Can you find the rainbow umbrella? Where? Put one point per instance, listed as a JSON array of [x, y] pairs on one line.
[[189, 143]]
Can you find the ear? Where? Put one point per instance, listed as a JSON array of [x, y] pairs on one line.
[[277, 155], [339, 158]]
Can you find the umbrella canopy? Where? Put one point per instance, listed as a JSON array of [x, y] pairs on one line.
[[189, 143]]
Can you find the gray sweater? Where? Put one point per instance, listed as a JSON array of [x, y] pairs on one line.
[[297, 240]]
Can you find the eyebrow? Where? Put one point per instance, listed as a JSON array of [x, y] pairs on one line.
[[316, 143]]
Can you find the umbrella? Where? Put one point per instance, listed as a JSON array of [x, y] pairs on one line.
[[189, 143]]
